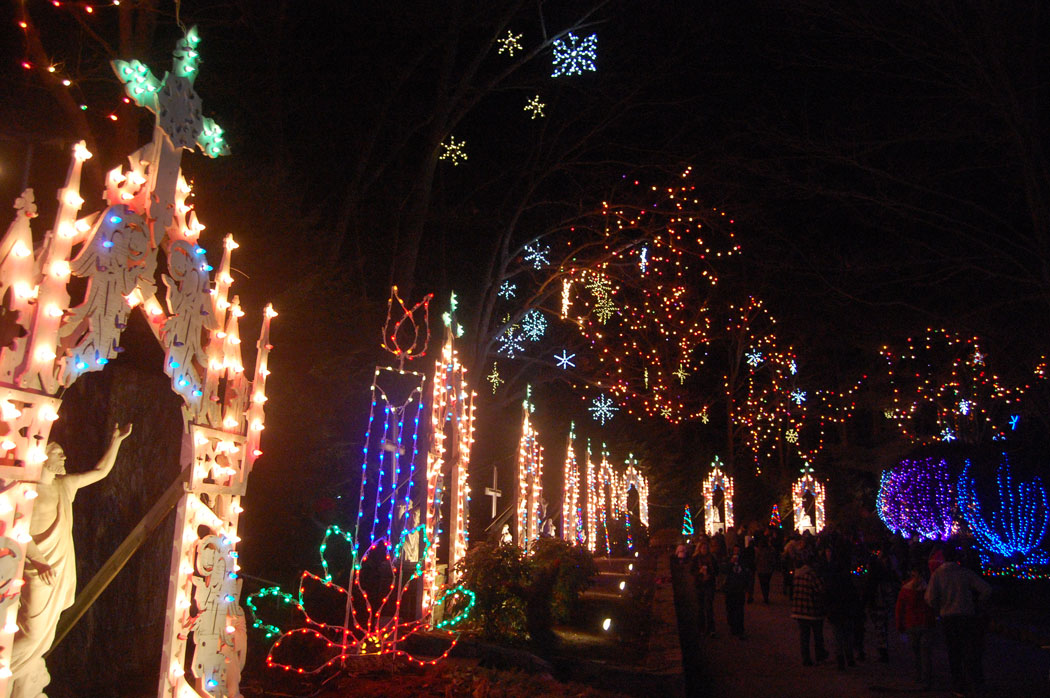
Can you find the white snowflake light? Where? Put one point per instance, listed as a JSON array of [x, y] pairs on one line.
[[665, 411], [535, 106], [792, 367], [565, 359], [964, 407], [453, 150], [510, 43], [537, 255], [791, 436], [510, 342], [754, 357], [704, 416], [533, 325], [947, 434], [798, 396], [643, 259], [573, 57], [603, 409], [507, 290]]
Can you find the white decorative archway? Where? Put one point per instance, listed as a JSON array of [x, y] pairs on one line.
[[715, 521], [807, 484], [46, 345]]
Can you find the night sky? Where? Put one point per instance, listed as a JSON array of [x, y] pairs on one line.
[[884, 164]]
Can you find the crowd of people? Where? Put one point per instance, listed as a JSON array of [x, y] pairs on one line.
[[855, 585]]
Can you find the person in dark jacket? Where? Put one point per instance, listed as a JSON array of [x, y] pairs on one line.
[[807, 608], [735, 589], [842, 604], [765, 564]]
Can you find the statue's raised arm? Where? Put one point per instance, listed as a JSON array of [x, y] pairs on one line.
[[105, 464]]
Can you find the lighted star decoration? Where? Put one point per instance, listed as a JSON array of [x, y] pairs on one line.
[[494, 378], [573, 56], [535, 106], [754, 357], [947, 434], [798, 396], [511, 342], [964, 407], [507, 290], [604, 309], [533, 325], [510, 43], [681, 374], [603, 409], [791, 436], [565, 359], [453, 151], [599, 285], [537, 255]]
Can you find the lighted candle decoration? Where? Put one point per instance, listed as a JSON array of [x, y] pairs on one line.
[[716, 521], [388, 540], [915, 499], [451, 438], [807, 485]]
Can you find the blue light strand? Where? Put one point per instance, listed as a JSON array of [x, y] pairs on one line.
[[1017, 526]]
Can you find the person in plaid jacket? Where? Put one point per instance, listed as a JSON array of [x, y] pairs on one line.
[[807, 607]]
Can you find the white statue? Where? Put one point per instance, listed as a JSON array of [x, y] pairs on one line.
[[50, 572], [805, 522]]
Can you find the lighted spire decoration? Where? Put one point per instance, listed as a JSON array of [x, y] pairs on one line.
[[572, 527], [530, 481], [1017, 527], [451, 438]]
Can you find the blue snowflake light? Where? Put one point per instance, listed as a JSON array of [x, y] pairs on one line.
[[507, 290], [754, 357], [1014, 419], [603, 409], [565, 359], [798, 396], [573, 57], [537, 255], [533, 325]]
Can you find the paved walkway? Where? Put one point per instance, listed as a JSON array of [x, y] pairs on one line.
[[768, 662]]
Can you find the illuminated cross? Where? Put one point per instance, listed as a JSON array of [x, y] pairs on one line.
[[180, 123], [494, 491]]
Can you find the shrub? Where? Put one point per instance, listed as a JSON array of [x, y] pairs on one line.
[[499, 577]]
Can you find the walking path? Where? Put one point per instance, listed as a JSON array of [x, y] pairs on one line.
[[768, 662]]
